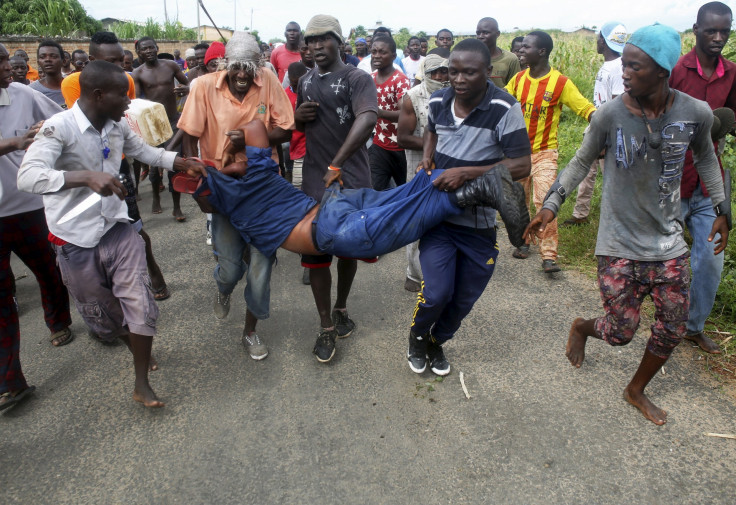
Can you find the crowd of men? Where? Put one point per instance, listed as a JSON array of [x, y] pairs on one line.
[[370, 118]]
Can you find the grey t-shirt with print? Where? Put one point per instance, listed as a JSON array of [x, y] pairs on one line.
[[342, 96], [640, 204]]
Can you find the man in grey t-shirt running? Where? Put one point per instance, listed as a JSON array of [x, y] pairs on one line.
[[641, 249]]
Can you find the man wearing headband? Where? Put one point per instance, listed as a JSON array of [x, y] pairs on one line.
[[217, 105], [361, 48], [337, 110], [641, 248], [706, 75], [412, 122]]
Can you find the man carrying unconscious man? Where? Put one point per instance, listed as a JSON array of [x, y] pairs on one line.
[[270, 213]]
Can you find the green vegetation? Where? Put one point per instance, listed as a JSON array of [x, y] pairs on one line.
[[170, 30], [45, 18]]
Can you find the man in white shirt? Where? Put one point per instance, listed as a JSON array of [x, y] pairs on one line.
[[412, 62], [608, 85], [102, 259]]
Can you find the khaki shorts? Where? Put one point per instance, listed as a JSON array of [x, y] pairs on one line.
[[109, 283]]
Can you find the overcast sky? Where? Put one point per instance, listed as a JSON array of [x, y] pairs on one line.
[[460, 16]]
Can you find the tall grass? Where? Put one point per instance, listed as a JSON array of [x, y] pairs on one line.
[[170, 30]]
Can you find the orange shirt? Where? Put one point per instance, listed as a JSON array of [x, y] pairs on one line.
[[71, 90], [32, 74], [211, 110]]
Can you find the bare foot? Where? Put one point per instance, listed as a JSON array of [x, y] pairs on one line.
[[152, 364], [156, 207], [705, 343], [650, 410], [575, 349], [179, 215], [146, 396]]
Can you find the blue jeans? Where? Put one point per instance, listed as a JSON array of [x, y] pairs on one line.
[[229, 247], [697, 212]]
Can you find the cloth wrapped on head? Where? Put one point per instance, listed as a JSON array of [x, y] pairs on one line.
[[243, 51], [660, 42]]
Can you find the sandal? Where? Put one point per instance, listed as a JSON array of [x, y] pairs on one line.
[[521, 253], [9, 399], [61, 337]]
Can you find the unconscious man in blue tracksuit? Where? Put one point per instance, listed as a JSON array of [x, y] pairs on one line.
[[270, 213]]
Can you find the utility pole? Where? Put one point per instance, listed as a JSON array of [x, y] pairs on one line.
[[251, 19], [166, 13], [235, 15], [199, 27]]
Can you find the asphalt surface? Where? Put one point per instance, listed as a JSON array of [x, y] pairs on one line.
[[363, 428]]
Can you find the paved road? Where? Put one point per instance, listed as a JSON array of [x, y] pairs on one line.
[[363, 428]]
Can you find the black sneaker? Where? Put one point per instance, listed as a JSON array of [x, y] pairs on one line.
[[496, 189], [417, 353], [437, 361], [324, 348], [343, 324]]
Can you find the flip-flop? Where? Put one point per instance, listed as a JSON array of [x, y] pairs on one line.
[[162, 294], [66, 332], [12, 400]]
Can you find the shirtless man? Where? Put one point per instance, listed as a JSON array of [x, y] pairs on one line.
[[198, 68], [154, 80]]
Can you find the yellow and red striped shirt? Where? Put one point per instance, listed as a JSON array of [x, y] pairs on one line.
[[541, 101]]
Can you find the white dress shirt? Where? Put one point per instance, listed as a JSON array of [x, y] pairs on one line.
[[68, 142]]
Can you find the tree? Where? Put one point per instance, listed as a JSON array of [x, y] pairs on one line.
[[47, 18], [276, 40], [402, 39], [360, 31]]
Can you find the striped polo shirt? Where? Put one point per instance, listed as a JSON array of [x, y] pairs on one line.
[[541, 101], [494, 130]]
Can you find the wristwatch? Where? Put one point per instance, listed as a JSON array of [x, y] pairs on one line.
[[724, 209]]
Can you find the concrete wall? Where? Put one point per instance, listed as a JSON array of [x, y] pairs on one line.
[[30, 45]]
